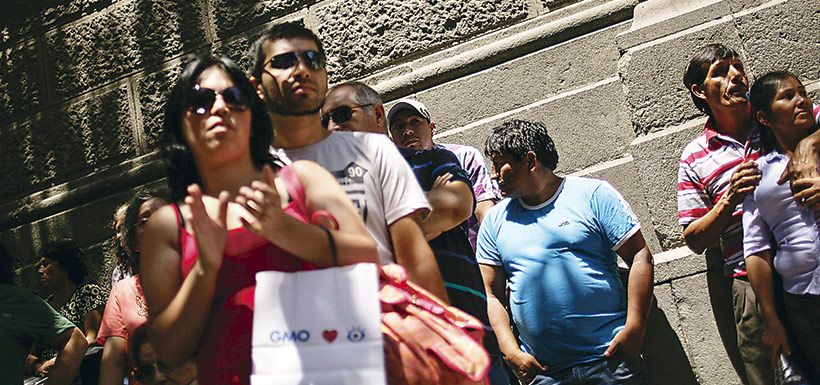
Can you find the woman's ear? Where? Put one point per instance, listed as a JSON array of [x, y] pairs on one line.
[[763, 119]]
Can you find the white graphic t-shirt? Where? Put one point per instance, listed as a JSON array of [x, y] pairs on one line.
[[374, 175]]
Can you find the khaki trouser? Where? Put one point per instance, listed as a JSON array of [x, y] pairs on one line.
[[749, 323]]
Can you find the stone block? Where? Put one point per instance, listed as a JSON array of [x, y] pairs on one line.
[[375, 34], [583, 139], [127, 37], [27, 17], [15, 148], [707, 355], [658, 18], [624, 178], [81, 136], [657, 157], [230, 16], [152, 91], [782, 36], [651, 74], [18, 21], [21, 80], [238, 47], [679, 267], [512, 85]]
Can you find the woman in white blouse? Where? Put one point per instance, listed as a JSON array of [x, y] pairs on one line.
[[781, 230]]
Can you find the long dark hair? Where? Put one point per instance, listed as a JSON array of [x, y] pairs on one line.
[[126, 228], [760, 97], [179, 161]]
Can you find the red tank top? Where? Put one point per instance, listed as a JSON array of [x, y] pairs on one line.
[[224, 354]]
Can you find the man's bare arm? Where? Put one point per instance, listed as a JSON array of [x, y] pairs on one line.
[[452, 203], [414, 254], [524, 364], [482, 208], [71, 346], [639, 295]]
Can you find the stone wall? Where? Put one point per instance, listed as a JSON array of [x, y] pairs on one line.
[[83, 81]]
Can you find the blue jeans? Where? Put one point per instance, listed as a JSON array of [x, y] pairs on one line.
[[498, 373], [608, 371]]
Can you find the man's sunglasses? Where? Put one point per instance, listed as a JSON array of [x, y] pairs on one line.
[[201, 99], [283, 61], [340, 114]]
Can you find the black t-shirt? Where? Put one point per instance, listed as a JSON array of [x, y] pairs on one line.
[[455, 257]]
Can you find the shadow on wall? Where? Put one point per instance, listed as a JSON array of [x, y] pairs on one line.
[[662, 348], [664, 353]]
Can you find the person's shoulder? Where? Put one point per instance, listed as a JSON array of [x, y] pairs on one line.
[[587, 188], [24, 298], [583, 183], [442, 153], [696, 145], [124, 284], [461, 148], [91, 289], [9, 291], [367, 140], [499, 208]]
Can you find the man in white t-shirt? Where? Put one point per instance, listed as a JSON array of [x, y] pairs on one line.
[[289, 69]]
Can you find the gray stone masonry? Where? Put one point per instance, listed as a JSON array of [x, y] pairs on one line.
[[83, 84]]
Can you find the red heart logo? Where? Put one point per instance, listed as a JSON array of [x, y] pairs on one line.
[[330, 335]]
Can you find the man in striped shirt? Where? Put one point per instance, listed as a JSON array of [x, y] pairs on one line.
[[716, 172]]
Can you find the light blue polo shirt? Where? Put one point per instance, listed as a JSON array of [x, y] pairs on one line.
[[566, 296]]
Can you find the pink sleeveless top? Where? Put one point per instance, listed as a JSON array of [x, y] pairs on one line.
[[224, 354]]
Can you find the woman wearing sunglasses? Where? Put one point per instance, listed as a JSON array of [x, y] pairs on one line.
[[780, 235], [232, 218]]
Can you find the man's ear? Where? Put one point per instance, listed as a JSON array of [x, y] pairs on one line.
[[532, 160], [381, 116], [260, 91], [697, 91]]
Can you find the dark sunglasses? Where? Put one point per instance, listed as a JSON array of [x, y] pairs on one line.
[[340, 114], [201, 99], [283, 61]]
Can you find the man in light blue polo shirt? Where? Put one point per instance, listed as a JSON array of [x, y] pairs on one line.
[[556, 241]]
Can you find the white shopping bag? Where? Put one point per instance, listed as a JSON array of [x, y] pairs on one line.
[[319, 327]]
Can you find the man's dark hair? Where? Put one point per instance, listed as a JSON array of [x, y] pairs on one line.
[[68, 255], [179, 161], [760, 97], [698, 68], [287, 30], [517, 137], [6, 266], [362, 93]]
